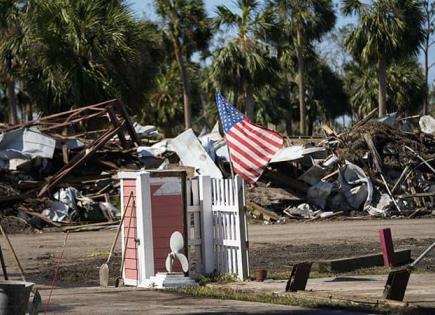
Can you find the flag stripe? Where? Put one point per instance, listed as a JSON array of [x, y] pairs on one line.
[[270, 149], [245, 156], [242, 173], [263, 133], [249, 149], [246, 162], [241, 137], [249, 171]]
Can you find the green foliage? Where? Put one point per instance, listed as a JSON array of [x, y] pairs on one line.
[[244, 65], [87, 51], [187, 21], [386, 28], [60, 54], [405, 87], [314, 17]]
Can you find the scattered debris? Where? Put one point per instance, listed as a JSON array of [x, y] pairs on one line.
[[60, 169]]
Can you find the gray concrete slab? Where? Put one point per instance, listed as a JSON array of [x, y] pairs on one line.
[[91, 300], [420, 291]]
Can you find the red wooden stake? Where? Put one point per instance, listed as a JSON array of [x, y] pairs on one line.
[[387, 246]]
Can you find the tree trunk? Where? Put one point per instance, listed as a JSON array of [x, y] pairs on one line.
[[186, 85], [12, 102], [29, 112], [426, 47], [249, 106], [310, 127], [301, 84], [426, 80], [382, 74]]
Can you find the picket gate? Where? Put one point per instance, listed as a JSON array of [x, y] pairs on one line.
[[217, 226]]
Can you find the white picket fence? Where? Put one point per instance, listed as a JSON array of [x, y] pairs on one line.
[[217, 227]]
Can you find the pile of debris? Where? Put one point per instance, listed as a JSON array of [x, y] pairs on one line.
[[379, 167], [61, 169]]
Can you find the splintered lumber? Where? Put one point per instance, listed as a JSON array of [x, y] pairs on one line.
[[77, 160], [40, 216], [93, 225], [418, 195], [375, 154], [329, 131], [400, 179], [20, 267], [378, 166], [262, 212], [365, 119]]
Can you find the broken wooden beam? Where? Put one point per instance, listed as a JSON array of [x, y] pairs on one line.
[[401, 258], [262, 212]]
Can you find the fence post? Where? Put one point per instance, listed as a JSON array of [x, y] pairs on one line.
[[243, 265], [205, 197], [387, 246]]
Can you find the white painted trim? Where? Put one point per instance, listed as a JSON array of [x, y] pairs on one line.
[[130, 282], [205, 193], [121, 194], [144, 227], [127, 175]]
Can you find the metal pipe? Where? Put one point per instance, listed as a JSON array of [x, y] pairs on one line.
[[419, 258]]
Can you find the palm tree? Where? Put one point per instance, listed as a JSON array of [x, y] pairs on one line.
[[243, 65], [428, 42], [386, 30], [301, 22], [187, 27], [11, 33], [83, 51], [405, 86], [166, 100]]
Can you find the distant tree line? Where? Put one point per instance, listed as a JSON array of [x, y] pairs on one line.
[[282, 62]]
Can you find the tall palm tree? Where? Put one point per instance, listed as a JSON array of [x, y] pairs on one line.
[[386, 30], [243, 65], [428, 42], [301, 22], [187, 27]]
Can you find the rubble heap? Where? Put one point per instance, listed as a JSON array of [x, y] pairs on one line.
[[61, 169], [375, 168]]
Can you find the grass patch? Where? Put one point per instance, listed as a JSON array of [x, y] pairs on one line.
[[214, 278], [289, 299]]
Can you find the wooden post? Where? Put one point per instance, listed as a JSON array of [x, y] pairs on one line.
[[243, 265], [205, 197], [2, 261], [387, 246]]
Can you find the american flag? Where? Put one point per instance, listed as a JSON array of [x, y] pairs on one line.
[[251, 146]]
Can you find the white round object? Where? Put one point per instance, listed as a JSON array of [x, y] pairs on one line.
[[176, 242], [183, 261]]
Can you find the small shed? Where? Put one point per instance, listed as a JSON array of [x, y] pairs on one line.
[[155, 207]]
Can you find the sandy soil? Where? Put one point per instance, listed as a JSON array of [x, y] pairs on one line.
[[274, 247]]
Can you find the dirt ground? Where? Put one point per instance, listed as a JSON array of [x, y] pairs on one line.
[[273, 247]]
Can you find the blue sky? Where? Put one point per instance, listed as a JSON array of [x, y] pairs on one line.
[[144, 8]]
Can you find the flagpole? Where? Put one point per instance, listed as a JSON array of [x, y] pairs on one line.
[[231, 162]]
